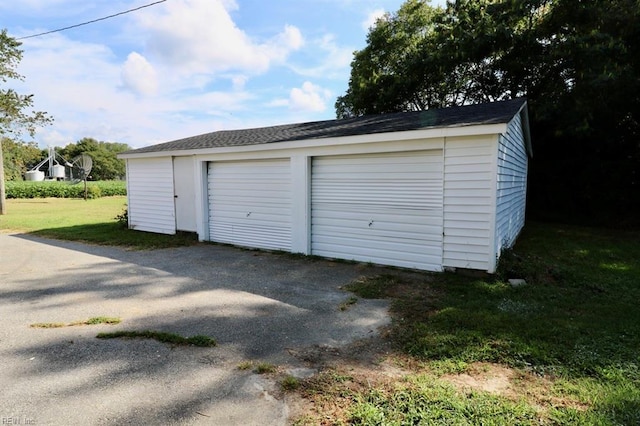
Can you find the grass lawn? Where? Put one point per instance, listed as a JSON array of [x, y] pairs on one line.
[[91, 221], [564, 349]]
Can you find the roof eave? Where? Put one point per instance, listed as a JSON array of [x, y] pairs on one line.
[[429, 133]]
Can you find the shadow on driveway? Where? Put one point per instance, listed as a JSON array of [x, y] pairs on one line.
[[257, 305]]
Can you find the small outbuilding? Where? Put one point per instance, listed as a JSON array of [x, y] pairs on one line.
[[429, 190]]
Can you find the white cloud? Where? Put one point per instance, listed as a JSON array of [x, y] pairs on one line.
[[199, 36], [309, 97], [281, 45], [139, 75], [334, 63], [239, 82], [371, 18], [80, 90]]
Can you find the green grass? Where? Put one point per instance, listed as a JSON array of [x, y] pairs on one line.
[[90, 321], [264, 368], [171, 338], [92, 221], [431, 402], [245, 365], [572, 335], [289, 383], [99, 320], [257, 367], [352, 300]]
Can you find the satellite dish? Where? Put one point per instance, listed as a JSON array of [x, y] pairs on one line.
[[80, 168]]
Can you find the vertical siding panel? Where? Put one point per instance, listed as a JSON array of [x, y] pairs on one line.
[[468, 201], [150, 196], [511, 186]]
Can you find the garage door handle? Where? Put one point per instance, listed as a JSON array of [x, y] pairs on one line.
[[370, 223], [248, 214], [175, 196]]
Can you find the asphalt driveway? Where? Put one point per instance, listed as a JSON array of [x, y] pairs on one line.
[[260, 307]]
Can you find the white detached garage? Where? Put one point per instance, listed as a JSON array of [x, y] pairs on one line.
[[426, 190]]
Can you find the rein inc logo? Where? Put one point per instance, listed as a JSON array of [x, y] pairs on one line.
[[16, 421]]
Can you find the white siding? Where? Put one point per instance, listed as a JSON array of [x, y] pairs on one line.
[[150, 195], [380, 208], [469, 194], [184, 193], [250, 203], [511, 186]]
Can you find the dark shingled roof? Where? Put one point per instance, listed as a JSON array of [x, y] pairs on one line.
[[489, 113]]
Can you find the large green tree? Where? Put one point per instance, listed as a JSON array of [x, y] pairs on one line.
[[16, 113], [106, 165], [19, 157], [577, 62]]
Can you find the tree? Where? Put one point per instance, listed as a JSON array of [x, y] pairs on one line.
[[384, 75], [106, 165], [19, 157], [16, 115], [576, 62]]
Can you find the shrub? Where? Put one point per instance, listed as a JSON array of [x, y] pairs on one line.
[[123, 218], [53, 189]]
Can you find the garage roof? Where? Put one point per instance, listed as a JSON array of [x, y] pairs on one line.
[[488, 113]]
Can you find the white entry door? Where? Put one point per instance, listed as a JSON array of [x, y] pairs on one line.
[[184, 194], [250, 203], [380, 208]]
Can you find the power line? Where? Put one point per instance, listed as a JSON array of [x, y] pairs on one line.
[[91, 22]]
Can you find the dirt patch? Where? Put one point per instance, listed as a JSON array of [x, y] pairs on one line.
[[492, 378], [513, 384], [342, 373]]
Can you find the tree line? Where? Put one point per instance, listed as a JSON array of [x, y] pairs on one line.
[[20, 157], [577, 63]]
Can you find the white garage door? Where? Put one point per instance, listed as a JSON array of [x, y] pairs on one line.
[[250, 203], [380, 208]]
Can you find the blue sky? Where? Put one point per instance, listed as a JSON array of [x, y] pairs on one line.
[[185, 67]]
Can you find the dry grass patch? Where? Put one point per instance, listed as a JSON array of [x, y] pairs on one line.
[[514, 384]]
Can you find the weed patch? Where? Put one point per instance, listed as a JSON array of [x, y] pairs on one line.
[[245, 365], [48, 325], [171, 338], [289, 383], [348, 303], [90, 321], [258, 368]]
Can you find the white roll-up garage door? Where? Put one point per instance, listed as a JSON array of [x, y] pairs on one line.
[[380, 208], [250, 203]]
